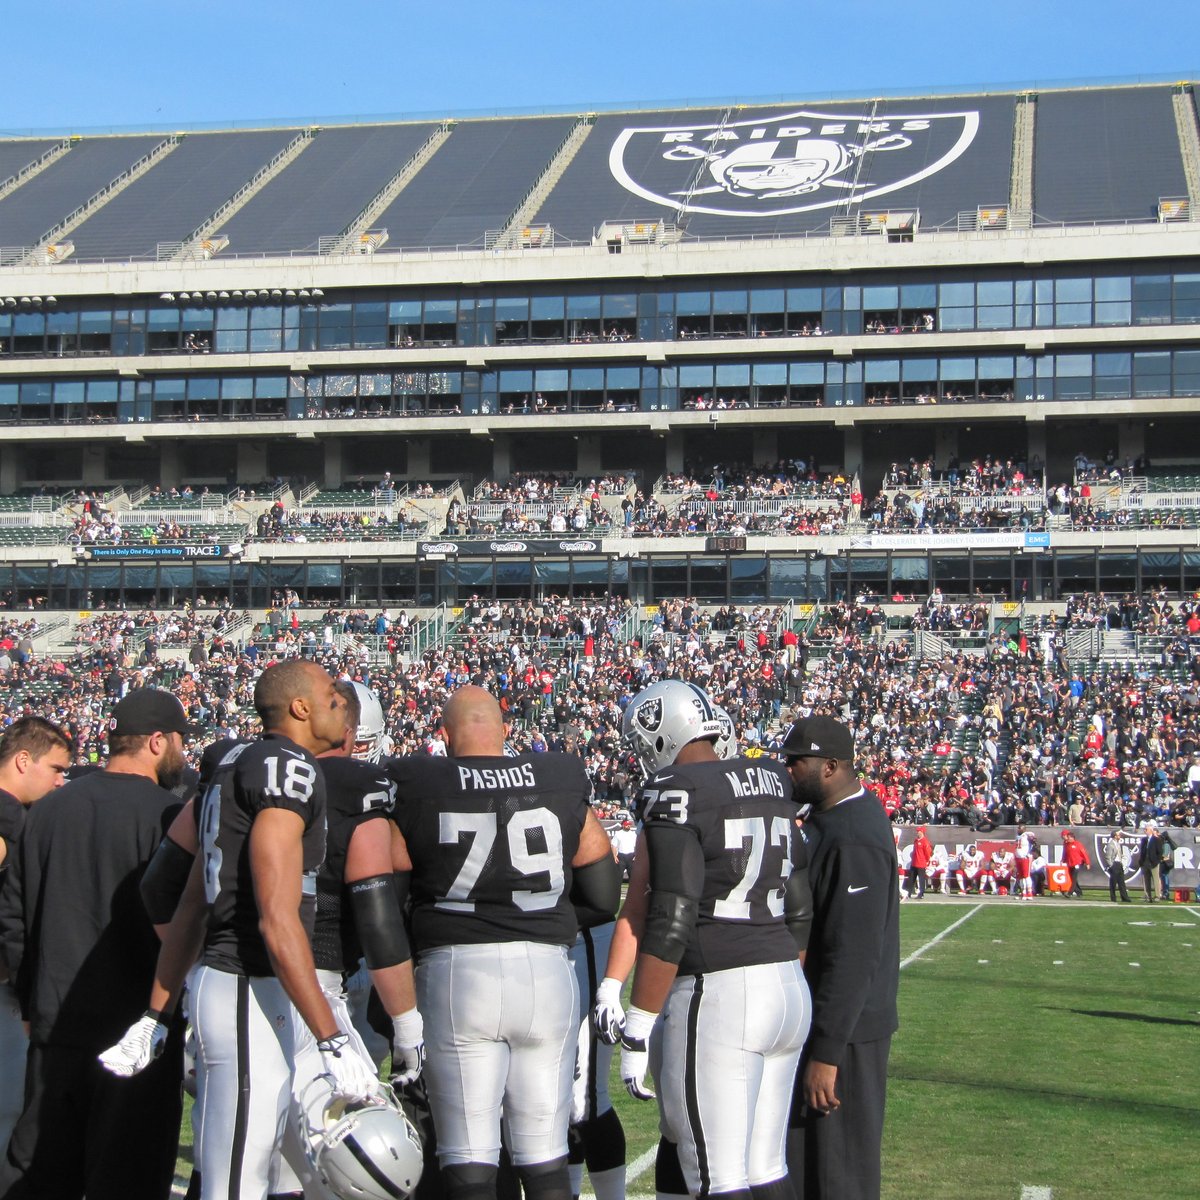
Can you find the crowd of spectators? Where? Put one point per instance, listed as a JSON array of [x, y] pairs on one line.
[[1013, 734]]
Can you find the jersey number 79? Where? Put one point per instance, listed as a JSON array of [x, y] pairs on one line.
[[481, 829]]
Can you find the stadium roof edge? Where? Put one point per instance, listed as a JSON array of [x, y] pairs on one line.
[[583, 109]]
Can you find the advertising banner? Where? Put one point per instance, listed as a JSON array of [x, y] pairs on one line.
[[1185, 869]]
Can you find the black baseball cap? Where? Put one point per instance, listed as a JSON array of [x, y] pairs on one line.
[[149, 710], [817, 737]]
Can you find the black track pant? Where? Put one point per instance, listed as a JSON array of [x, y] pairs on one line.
[[838, 1157], [84, 1131]]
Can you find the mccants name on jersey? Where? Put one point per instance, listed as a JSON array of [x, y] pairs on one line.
[[491, 841], [355, 791], [741, 813], [271, 773], [759, 781]]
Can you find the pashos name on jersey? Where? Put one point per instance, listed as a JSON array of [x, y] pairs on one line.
[[788, 163]]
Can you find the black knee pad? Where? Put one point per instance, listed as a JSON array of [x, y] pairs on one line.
[[546, 1180], [668, 1174], [469, 1181], [604, 1141]]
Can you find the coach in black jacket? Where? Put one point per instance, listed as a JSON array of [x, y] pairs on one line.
[[81, 950], [852, 965]]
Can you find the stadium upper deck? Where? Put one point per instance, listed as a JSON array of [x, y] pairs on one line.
[[1003, 273]]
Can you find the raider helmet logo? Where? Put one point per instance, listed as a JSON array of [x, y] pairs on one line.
[[649, 714], [787, 163]]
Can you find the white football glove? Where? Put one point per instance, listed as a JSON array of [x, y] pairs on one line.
[[608, 1016], [635, 1056], [142, 1044], [353, 1075], [408, 1048]]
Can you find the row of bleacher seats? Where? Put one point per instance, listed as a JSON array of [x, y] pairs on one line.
[[484, 168]]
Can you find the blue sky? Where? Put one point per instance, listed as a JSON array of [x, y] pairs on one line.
[[114, 63]]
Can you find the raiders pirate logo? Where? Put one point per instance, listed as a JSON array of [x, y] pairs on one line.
[[1129, 854], [649, 714], [787, 163]]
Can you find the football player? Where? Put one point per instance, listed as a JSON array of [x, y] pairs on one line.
[[716, 956], [497, 850], [970, 874], [262, 838], [1000, 868], [358, 916], [608, 1016], [938, 871], [1023, 865]]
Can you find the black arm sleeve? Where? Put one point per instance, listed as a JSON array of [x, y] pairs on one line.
[[596, 891], [379, 921], [798, 906], [676, 885], [165, 878]]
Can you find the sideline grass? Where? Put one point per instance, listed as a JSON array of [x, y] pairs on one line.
[[1052, 1063]]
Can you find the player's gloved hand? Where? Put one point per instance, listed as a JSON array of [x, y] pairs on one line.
[[142, 1044], [353, 1075], [635, 1057], [608, 1016], [408, 1048]]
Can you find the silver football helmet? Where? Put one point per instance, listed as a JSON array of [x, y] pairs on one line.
[[364, 1151], [370, 724], [727, 745], [663, 718]]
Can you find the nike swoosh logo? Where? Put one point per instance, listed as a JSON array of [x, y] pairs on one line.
[[855, 890]]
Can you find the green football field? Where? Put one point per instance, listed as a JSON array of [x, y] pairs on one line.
[[1048, 1050]]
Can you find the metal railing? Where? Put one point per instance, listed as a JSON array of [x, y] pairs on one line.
[[94, 201]]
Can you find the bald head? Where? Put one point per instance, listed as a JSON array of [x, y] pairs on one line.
[[473, 722]]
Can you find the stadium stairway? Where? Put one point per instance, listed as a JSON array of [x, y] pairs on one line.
[[1118, 645]]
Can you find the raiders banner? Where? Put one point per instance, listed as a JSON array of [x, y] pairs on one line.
[[953, 839]]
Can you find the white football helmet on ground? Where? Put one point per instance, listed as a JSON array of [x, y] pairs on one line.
[[362, 1151], [663, 718], [370, 724]]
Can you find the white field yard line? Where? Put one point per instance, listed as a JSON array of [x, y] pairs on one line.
[[1029, 1192], [945, 933], [1194, 911], [639, 1167]]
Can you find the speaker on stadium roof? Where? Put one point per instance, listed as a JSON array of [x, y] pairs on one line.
[[317, 292], [168, 297]]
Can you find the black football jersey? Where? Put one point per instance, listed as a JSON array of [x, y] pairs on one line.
[[741, 812], [355, 792], [271, 773], [491, 842]]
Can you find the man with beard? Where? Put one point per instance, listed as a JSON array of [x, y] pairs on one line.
[[81, 953], [852, 966]]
